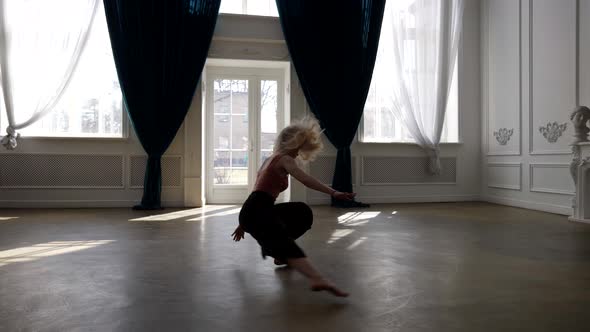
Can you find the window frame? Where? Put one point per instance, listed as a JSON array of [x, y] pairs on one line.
[[125, 124], [360, 131]]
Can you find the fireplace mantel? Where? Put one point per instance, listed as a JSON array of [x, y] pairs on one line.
[[580, 170]]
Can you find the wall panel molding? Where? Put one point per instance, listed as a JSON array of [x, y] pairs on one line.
[[544, 94], [62, 171], [499, 67], [402, 199], [502, 178], [78, 204], [393, 170], [531, 205], [562, 176]]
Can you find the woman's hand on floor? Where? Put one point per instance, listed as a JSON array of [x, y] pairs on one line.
[[238, 234], [343, 196]]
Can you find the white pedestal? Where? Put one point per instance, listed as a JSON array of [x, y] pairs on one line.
[[580, 168]]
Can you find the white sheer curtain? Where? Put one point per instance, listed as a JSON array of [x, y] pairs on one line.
[[415, 64], [40, 44]]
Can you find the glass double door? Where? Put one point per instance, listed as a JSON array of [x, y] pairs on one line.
[[245, 111]]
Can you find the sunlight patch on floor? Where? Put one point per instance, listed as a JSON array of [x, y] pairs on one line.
[[7, 218], [357, 218], [339, 234], [182, 213], [37, 251], [357, 242], [357, 223], [222, 213]]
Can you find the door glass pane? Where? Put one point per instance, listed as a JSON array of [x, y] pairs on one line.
[[239, 159], [221, 132], [222, 96], [268, 117], [221, 175], [239, 97], [230, 132], [221, 159], [239, 132], [230, 175]]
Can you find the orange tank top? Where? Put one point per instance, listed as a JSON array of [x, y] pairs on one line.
[[271, 180]]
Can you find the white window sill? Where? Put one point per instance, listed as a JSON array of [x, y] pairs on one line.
[[74, 138], [408, 143], [276, 18]]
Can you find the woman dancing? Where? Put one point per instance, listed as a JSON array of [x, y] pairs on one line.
[[276, 226]]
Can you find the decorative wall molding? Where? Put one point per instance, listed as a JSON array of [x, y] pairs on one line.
[[486, 78], [393, 170], [94, 203], [532, 149], [227, 48], [553, 131], [533, 187], [320, 200], [503, 135], [539, 206], [62, 171], [517, 186]]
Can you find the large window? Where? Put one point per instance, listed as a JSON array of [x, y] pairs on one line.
[[92, 104], [379, 124], [249, 7]]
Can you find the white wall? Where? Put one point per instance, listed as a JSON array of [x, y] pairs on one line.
[[535, 66], [260, 38]]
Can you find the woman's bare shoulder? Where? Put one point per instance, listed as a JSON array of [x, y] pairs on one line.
[[288, 163], [286, 160]]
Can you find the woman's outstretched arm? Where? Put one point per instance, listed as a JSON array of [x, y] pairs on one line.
[[309, 181]]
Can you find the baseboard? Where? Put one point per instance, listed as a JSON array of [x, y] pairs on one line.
[[76, 204], [403, 199], [545, 207], [585, 221]]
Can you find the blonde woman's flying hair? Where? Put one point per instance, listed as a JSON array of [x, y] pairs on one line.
[[304, 135]]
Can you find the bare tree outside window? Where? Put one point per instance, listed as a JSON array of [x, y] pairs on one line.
[[90, 116]]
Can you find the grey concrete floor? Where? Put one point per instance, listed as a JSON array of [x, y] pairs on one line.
[[413, 267]]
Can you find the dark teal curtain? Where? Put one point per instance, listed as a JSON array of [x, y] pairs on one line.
[[160, 48], [333, 45]]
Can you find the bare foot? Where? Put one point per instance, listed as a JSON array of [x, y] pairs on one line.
[[323, 285]]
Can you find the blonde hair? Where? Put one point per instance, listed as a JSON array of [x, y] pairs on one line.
[[303, 135]]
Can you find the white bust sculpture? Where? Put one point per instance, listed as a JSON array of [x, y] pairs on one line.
[[580, 117]]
